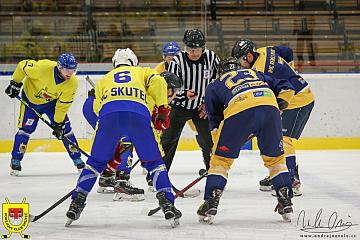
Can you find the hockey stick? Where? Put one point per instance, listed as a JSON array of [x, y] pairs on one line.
[[136, 163], [34, 218], [181, 192], [87, 78], [52, 127]]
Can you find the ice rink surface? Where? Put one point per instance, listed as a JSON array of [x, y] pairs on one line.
[[330, 181]]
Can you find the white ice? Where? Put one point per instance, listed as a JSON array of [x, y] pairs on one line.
[[330, 181]]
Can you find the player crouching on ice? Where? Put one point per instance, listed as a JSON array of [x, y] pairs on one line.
[[241, 104], [49, 88], [116, 176], [120, 103]]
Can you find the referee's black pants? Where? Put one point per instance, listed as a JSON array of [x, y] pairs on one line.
[[170, 137]]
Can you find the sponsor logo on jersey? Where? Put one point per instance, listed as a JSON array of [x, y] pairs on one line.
[[261, 94], [15, 217]]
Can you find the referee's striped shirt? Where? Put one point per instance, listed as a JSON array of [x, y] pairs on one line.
[[194, 75]]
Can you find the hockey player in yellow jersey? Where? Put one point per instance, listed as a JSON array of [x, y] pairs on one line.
[[121, 105], [296, 114], [49, 87], [170, 49]]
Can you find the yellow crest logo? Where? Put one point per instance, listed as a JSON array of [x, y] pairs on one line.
[[15, 217]]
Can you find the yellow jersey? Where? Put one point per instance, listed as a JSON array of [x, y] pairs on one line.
[[162, 67], [129, 88], [43, 84]]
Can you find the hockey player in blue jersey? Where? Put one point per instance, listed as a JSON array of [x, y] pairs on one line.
[[121, 98], [286, 53], [49, 87], [296, 115], [240, 104]]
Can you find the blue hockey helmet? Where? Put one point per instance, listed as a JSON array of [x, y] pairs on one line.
[[171, 48], [67, 60]]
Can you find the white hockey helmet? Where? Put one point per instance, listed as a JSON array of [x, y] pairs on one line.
[[124, 57]]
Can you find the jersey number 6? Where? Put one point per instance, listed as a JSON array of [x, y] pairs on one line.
[[122, 77]]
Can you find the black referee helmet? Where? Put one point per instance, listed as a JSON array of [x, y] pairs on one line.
[[194, 38]]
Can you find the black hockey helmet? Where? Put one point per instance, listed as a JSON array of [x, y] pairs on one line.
[[243, 47], [194, 38], [228, 64], [172, 80]]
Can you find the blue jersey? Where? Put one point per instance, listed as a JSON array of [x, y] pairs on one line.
[[237, 91], [285, 52], [270, 63]]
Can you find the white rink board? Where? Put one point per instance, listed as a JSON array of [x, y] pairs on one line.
[[336, 112]]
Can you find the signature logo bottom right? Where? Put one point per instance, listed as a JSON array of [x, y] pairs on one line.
[[333, 224]]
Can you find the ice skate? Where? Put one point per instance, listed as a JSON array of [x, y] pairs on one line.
[[284, 206], [172, 215], [106, 184], [79, 164], [266, 184], [124, 190], [208, 209], [76, 207], [15, 167], [296, 184]]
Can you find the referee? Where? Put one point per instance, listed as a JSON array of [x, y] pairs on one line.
[[196, 67]]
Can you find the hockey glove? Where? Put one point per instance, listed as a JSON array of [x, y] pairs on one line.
[[282, 103], [161, 119], [91, 92], [13, 89], [59, 130]]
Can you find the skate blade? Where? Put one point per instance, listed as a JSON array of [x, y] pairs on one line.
[[296, 192], [173, 222], [68, 222], [265, 188], [151, 189], [14, 172], [105, 190], [192, 193], [127, 197], [287, 217], [209, 219]]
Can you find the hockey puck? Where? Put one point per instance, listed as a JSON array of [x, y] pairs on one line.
[[202, 172]]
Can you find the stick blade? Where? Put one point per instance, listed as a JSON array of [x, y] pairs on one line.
[[153, 211], [32, 218]]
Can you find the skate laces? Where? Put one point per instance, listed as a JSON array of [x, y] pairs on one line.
[[15, 162], [129, 184], [77, 161], [283, 197]]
